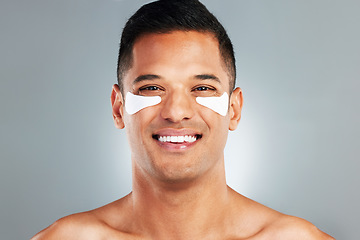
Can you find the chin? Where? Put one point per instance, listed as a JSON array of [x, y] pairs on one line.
[[179, 175]]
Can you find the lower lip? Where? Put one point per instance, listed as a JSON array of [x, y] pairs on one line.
[[176, 146]]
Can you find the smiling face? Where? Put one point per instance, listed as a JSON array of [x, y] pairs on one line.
[[177, 139]]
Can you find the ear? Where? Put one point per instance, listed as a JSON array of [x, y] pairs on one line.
[[236, 102], [117, 104]]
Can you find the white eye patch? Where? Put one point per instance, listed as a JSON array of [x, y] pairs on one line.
[[135, 103], [217, 104]]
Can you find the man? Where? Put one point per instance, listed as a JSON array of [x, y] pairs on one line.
[[176, 100]]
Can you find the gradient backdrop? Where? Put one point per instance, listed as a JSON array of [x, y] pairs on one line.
[[296, 149]]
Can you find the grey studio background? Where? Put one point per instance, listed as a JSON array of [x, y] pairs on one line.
[[296, 149]]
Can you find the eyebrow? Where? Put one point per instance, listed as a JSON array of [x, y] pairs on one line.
[[153, 76], [207, 77], [146, 77]]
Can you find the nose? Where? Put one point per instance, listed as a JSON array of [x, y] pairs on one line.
[[177, 107]]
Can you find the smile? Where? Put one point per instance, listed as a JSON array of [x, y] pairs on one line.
[[177, 139]]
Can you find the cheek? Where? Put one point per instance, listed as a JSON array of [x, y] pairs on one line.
[[216, 123], [138, 124]]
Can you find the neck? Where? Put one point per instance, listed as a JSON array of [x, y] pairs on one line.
[[182, 210]]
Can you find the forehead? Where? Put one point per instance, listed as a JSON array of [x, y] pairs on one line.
[[177, 54], [177, 42]]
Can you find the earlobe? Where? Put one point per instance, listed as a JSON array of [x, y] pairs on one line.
[[236, 102], [117, 106]]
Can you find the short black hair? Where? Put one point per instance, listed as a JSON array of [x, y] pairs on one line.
[[165, 16]]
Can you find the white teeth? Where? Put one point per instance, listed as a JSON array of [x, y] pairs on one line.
[[192, 139], [177, 139]]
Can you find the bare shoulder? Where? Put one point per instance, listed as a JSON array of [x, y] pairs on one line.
[[263, 222], [76, 226], [289, 227], [100, 223]]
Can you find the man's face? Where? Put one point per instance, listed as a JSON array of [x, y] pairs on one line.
[[178, 67]]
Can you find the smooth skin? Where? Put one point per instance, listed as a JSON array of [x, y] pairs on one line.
[[179, 190]]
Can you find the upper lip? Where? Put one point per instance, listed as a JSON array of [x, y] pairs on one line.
[[176, 132]]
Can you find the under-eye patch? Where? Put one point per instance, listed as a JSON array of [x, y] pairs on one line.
[[217, 104], [135, 103]]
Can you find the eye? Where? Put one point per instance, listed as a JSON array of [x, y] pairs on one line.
[[150, 88], [204, 91], [204, 88]]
